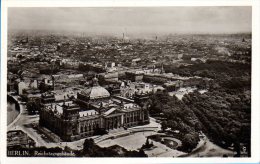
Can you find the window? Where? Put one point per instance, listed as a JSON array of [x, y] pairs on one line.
[[81, 129]]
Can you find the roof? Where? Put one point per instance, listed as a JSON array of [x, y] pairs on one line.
[[87, 113], [58, 107], [110, 111], [95, 92]]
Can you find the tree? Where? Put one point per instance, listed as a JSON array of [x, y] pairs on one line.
[[33, 106], [164, 125], [88, 145], [190, 141], [147, 142]]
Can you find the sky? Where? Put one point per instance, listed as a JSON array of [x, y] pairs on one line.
[[133, 20]]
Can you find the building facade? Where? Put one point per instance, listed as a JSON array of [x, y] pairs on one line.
[[93, 112], [17, 138]]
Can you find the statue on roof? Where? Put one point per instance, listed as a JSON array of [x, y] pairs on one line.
[[95, 81]]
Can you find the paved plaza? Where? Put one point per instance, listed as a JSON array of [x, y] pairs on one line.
[[135, 142]]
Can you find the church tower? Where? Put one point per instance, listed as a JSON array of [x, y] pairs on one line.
[[162, 69]]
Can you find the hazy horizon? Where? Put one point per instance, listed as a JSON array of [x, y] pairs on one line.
[[133, 21]]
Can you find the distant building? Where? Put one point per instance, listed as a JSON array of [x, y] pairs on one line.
[[111, 76], [47, 98], [141, 98], [17, 138], [22, 86], [69, 64], [135, 61], [46, 84], [127, 89], [134, 75], [65, 79], [173, 85], [143, 88], [110, 67], [130, 89]]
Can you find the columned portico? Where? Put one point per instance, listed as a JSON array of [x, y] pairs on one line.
[[114, 121]]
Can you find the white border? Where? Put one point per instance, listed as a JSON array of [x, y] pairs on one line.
[[137, 3]]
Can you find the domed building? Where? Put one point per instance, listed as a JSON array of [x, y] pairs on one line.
[[95, 92], [93, 111]]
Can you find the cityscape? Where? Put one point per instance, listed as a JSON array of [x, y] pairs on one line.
[[129, 88]]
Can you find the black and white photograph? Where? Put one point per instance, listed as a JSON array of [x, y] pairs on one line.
[[136, 82]]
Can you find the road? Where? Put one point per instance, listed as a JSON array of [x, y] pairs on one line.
[[209, 149], [24, 122]]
